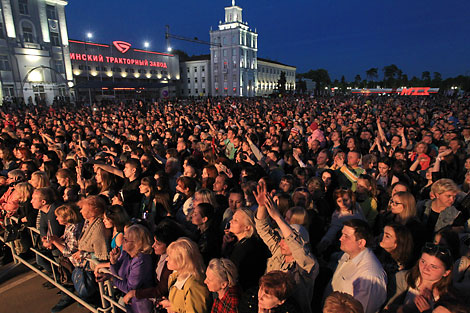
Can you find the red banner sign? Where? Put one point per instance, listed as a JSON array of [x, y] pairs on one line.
[[106, 59]]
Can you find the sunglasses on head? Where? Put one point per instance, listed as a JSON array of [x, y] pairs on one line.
[[434, 249]]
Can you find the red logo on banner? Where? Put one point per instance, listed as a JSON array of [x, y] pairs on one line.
[[122, 46], [415, 91]]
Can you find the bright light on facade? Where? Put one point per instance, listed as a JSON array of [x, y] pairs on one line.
[[148, 75], [146, 44], [35, 76], [169, 49], [93, 73], [136, 75], [89, 35], [110, 74], [32, 58], [77, 72]]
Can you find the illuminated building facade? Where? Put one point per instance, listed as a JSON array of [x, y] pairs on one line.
[[34, 51], [234, 48], [236, 69], [269, 73], [119, 69]]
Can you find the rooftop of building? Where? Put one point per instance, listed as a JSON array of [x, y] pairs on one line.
[[201, 57], [275, 62]]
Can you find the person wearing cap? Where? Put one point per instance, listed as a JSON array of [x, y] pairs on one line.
[[317, 134], [289, 248]]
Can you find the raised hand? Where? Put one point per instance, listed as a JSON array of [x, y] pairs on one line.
[[261, 193], [272, 208]]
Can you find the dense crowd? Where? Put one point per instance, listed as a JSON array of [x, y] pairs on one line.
[[295, 204]]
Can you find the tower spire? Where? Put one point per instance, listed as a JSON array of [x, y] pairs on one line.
[[233, 3]]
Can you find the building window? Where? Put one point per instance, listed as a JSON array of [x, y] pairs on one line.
[[196, 91], [55, 41], [195, 80], [189, 80], [203, 68], [8, 91], [4, 63], [28, 33], [51, 13], [204, 91], [188, 69], [225, 52], [23, 7], [2, 36], [203, 79], [195, 69], [59, 66], [225, 77]]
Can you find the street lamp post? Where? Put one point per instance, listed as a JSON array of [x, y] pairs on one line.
[[89, 37]]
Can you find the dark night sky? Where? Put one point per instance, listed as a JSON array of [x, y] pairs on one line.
[[343, 36]]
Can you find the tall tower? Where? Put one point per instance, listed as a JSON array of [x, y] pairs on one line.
[[234, 56]]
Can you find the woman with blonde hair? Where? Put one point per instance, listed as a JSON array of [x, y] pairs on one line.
[[133, 265], [26, 213], [297, 215], [205, 196], [439, 211], [245, 249], [187, 291], [39, 179]]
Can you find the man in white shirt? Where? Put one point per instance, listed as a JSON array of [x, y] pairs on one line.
[[359, 273]]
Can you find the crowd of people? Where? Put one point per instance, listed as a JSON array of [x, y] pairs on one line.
[[293, 204]]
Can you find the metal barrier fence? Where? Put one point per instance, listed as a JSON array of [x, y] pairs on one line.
[[108, 302]]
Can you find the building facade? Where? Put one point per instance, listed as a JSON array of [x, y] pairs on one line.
[[234, 48], [118, 70], [34, 50], [196, 76], [269, 73]]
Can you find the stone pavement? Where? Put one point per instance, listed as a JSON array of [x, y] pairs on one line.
[[21, 291]]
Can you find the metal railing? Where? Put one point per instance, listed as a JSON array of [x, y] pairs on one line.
[[108, 301]]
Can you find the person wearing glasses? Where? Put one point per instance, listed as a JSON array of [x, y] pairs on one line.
[[429, 280], [133, 265], [402, 210]]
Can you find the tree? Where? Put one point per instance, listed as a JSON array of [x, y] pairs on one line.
[[437, 79], [392, 75], [301, 86], [281, 83], [372, 73], [426, 77], [320, 76], [357, 80], [343, 82]]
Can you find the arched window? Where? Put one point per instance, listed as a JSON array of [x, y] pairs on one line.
[[28, 32]]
